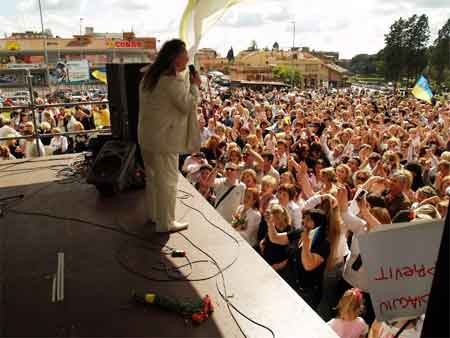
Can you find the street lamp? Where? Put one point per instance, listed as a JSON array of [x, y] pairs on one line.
[[292, 54], [293, 34], [45, 42], [81, 41]]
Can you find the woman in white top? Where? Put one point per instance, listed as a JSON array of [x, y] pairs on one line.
[[286, 195], [411, 328], [167, 127], [247, 217], [58, 143]]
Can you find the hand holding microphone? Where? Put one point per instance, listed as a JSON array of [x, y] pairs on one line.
[[194, 76]]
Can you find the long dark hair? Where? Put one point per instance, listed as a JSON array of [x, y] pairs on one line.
[[164, 63]]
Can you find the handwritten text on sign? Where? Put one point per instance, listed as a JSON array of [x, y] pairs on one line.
[[400, 260]]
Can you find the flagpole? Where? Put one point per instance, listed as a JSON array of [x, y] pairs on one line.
[[44, 35]]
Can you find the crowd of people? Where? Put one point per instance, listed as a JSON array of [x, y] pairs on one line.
[[15, 123], [302, 174]]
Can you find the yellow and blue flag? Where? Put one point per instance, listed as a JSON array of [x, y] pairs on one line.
[[422, 90]]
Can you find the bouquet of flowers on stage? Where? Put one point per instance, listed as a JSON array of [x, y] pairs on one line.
[[197, 310]]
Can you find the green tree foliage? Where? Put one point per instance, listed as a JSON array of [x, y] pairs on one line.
[[395, 51], [276, 46], [253, 46], [288, 74], [417, 36], [364, 64], [440, 54], [405, 53]]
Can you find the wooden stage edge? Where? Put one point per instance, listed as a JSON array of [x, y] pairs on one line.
[[97, 283]]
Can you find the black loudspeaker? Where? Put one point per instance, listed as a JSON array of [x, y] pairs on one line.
[[123, 95], [114, 168]]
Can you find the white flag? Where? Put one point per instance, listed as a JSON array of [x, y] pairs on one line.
[[198, 17]]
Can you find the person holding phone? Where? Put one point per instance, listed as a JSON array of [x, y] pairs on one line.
[[167, 127]]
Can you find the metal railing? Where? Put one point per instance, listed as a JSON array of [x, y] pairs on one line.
[[32, 106]]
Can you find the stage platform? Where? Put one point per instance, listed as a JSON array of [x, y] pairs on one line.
[[97, 288]]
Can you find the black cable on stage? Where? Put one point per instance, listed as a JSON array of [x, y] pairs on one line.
[[78, 220], [172, 278], [224, 295]]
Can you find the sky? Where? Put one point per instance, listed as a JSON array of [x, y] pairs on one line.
[[349, 27]]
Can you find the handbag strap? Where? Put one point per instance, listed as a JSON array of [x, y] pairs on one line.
[[399, 332], [225, 195]]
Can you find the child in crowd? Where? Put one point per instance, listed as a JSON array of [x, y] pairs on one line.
[[247, 217], [348, 324]]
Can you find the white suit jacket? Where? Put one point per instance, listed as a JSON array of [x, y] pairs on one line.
[[168, 117]]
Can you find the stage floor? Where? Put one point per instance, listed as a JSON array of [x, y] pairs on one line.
[[97, 289]]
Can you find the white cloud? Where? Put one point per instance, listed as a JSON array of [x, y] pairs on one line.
[[349, 27]]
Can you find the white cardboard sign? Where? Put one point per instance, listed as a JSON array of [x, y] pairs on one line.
[[400, 260]]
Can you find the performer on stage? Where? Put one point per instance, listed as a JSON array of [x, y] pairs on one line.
[[167, 127]]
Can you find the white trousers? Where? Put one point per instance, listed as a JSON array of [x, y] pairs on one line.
[[161, 171]]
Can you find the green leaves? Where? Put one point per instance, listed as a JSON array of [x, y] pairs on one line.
[[288, 74]]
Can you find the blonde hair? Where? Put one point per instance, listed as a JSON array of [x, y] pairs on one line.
[[220, 128], [252, 139], [409, 176], [445, 156], [334, 229], [330, 174], [348, 178], [250, 172], [351, 304], [46, 126], [427, 211], [270, 180], [277, 209]]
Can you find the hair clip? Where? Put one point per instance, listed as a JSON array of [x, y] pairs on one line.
[[357, 293]]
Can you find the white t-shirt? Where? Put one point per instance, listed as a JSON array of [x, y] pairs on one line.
[[59, 143], [5, 131], [295, 213], [229, 205], [250, 233], [388, 331], [31, 148], [349, 328], [359, 278]]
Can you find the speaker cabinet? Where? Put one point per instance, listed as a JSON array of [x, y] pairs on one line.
[[114, 168], [123, 95]]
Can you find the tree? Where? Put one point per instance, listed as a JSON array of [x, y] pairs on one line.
[[440, 53], [288, 74], [417, 35], [276, 46], [253, 46], [395, 51], [363, 64], [230, 55]]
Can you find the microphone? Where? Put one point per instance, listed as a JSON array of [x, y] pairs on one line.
[[192, 69]]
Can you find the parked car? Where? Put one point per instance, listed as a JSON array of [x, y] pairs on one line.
[[79, 95], [22, 93], [61, 94], [18, 100]]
